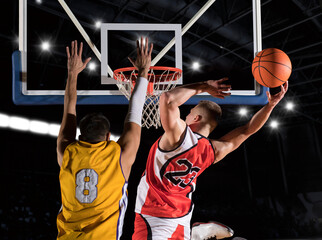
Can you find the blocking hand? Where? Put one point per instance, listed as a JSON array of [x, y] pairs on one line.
[[74, 58], [218, 89], [143, 60]]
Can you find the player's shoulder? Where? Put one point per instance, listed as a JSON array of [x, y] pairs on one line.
[[114, 144], [200, 136], [203, 140], [103, 145], [71, 145]]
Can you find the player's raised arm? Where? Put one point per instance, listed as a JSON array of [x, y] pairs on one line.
[[130, 138], [170, 101], [236, 137], [67, 132]]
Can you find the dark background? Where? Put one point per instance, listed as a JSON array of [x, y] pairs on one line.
[[270, 188]]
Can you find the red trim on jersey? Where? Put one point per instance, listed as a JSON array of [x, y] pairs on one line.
[[142, 229], [178, 234]]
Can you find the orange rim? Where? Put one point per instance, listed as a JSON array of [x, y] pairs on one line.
[[175, 73]]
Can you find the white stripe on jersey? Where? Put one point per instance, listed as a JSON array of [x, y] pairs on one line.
[[161, 157], [123, 205], [142, 192]]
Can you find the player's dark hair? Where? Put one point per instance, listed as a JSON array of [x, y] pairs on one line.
[[213, 111], [94, 127]]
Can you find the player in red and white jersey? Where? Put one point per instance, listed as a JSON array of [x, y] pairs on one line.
[[163, 205], [172, 176]]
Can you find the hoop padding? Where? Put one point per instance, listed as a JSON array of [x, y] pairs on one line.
[[161, 79]]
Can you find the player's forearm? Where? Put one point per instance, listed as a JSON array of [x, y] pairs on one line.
[[68, 124], [137, 100], [259, 119], [70, 97], [181, 94]]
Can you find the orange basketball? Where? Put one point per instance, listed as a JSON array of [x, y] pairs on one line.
[[271, 67]]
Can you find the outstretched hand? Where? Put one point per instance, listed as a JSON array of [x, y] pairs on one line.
[[74, 58], [143, 60], [273, 100], [218, 89]]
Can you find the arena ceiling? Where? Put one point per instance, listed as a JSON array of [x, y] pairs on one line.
[[221, 39]]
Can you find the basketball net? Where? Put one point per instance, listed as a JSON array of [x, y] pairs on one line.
[[161, 79]]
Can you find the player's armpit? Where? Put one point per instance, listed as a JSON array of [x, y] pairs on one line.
[[229, 142], [169, 112], [221, 149], [59, 157]]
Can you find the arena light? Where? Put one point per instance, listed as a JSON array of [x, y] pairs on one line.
[[4, 120], [16, 40], [114, 137], [92, 66], [39, 1], [195, 66], [78, 133], [39, 127], [274, 124], [19, 123], [98, 24], [242, 112], [289, 106], [45, 46], [36, 126], [143, 42], [53, 129]]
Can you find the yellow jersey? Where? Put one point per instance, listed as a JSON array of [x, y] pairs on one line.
[[93, 191]]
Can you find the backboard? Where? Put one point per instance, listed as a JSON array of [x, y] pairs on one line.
[[39, 75]]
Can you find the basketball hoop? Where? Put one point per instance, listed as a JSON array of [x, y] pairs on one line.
[[161, 79]]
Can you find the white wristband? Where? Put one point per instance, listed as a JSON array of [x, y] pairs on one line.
[[137, 101]]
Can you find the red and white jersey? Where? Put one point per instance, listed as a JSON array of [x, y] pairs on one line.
[[166, 187]]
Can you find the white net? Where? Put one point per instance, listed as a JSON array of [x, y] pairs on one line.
[[161, 79]]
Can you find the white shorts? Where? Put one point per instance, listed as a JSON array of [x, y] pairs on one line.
[[154, 228]]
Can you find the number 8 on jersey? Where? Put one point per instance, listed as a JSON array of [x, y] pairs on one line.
[[86, 181]]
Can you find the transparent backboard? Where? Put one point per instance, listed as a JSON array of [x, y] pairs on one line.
[[39, 75]]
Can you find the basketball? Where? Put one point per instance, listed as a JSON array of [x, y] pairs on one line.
[[271, 67]]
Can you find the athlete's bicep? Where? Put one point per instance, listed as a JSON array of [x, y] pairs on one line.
[[67, 134], [169, 113], [172, 124], [127, 160], [130, 138], [129, 143]]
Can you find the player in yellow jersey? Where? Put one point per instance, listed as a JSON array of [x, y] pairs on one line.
[[94, 170]]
